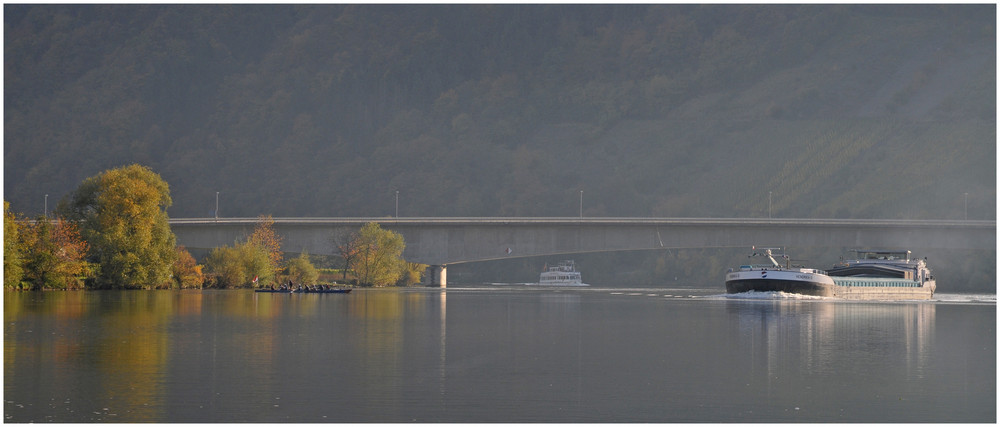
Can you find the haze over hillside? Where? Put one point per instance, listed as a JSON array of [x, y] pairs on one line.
[[483, 110]]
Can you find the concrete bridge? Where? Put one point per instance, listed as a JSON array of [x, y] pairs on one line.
[[443, 241]]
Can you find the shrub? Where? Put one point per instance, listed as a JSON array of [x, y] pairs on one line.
[[301, 270], [185, 272], [239, 265]]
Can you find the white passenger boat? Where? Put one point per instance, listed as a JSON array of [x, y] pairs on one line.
[[562, 274]]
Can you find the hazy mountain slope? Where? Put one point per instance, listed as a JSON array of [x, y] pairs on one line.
[[651, 110]]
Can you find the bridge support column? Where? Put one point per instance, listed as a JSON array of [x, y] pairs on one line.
[[439, 276]]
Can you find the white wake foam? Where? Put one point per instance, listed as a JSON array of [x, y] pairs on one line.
[[769, 295]]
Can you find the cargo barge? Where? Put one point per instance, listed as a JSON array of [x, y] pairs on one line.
[[875, 275]]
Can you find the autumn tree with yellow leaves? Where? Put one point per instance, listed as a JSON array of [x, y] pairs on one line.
[[13, 258], [265, 237], [122, 214], [186, 273], [379, 260], [43, 254], [254, 262]]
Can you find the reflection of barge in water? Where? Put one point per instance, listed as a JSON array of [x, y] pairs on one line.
[[873, 275]]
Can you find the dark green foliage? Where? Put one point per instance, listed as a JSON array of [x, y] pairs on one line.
[[481, 110]]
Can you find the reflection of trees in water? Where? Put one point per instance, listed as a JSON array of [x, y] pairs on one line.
[[118, 340], [131, 354], [382, 315]]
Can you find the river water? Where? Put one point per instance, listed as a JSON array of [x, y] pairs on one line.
[[495, 354]]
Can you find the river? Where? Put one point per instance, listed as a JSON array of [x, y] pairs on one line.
[[495, 354]]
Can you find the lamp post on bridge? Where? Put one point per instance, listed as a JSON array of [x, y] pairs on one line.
[[581, 203], [966, 206], [397, 203], [768, 205], [216, 205]]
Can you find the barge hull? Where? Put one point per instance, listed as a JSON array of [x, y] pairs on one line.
[[778, 285], [883, 293]]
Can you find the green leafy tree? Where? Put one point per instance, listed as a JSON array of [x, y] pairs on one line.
[[122, 214], [259, 257], [301, 270], [257, 262], [379, 260], [12, 249], [412, 273], [237, 266], [224, 266]]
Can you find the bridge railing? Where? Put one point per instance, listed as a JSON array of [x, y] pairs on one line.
[[599, 220]]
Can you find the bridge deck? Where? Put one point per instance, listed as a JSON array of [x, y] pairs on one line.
[[450, 240], [598, 220]]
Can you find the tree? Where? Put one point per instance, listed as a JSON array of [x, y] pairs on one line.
[[54, 255], [122, 214], [301, 270], [224, 266], [346, 243], [412, 273], [185, 272], [379, 261], [259, 257], [12, 249], [237, 266], [265, 237]]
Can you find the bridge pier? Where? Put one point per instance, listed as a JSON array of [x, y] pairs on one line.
[[439, 276]]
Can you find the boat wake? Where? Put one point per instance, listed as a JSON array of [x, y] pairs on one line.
[[966, 298], [778, 295], [771, 295]]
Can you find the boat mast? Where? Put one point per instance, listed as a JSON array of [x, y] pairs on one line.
[[770, 256]]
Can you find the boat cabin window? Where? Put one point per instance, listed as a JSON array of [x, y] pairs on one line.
[[886, 255]]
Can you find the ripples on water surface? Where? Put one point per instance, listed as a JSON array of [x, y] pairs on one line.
[[496, 353]]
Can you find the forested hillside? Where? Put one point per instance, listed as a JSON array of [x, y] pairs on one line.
[[843, 111], [483, 110]]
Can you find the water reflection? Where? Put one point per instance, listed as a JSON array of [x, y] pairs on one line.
[[443, 347], [127, 358], [399, 355], [823, 338]]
